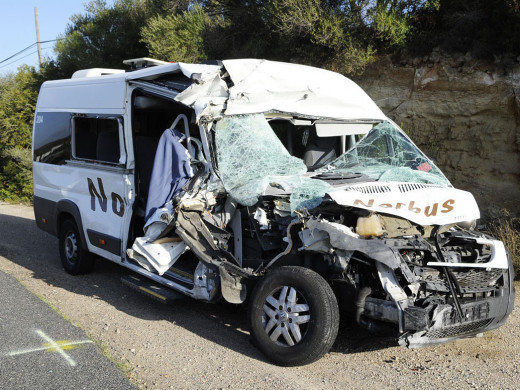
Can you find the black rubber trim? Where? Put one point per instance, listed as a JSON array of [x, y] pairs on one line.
[[45, 209], [52, 212], [111, 244]]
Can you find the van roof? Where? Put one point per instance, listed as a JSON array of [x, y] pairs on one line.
[[95, 72]]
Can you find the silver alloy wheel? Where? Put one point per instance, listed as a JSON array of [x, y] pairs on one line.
[[285, 318], [71, 247]]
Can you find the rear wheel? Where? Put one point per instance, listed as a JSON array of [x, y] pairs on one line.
[[74, 258], [294, 316]]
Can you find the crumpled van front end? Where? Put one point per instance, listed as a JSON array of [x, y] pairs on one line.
[[424, 284], [438, 278], [381, 223]]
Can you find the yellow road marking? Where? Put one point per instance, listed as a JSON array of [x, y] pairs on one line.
[[63, 344]]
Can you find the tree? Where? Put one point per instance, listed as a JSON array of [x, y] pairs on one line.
[[239, 30], [105, 36], [339, 34], [18, 94], [484, 28], [177, 37]]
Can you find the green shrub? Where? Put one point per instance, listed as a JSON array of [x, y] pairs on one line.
[[16, 177]]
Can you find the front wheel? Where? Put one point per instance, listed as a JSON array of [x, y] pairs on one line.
[[74, 258], [293, 316]]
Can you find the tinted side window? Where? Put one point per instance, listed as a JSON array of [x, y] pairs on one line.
[[51, 139], [96, 139]]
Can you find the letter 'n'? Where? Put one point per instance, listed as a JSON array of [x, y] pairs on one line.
[[102, 198]]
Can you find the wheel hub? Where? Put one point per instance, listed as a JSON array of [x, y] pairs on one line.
[[285, 316]]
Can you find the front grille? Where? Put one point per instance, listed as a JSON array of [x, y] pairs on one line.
[[370, 189], [405, 187], [458, 330], [478, 278], [470, 280]]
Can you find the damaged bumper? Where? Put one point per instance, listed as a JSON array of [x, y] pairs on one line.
[[478, 317], [423, 292]]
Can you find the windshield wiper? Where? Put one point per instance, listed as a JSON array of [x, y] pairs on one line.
[[343, 177]]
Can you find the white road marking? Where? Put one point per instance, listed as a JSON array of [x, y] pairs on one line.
[[53, 346]]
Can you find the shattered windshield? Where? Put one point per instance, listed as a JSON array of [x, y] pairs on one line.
[[251, 158], [386, 154]]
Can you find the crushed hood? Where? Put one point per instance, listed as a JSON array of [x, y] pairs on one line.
[[420, 203], [261, 86]]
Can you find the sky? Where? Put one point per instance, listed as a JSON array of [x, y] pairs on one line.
[[17, 28]]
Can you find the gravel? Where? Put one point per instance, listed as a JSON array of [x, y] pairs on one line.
[[190, 344]]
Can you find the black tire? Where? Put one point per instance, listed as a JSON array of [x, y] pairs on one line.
[[74, 258], [307, 316]]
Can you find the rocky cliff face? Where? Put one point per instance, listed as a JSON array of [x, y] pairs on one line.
[[464, 114]]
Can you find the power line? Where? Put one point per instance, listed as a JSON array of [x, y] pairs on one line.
[[12, 62], [15, 54], [18, 59], [27, 48]]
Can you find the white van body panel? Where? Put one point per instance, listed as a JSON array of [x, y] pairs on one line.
[[109, 213], [105, 95]]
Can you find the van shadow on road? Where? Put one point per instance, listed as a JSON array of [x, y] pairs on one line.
[[225, 324]]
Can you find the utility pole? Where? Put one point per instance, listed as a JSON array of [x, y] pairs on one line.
[[38, 36]]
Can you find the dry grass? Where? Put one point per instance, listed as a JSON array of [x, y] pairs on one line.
[[507, 229]]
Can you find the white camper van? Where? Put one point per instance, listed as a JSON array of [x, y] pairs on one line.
[[280, 184]]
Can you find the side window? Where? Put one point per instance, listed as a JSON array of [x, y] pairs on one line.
[[51, 138], [96, 139]]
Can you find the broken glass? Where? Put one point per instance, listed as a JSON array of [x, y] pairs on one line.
[[251, 157], [387, 154], [308, 194]]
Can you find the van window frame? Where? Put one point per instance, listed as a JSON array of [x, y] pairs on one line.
[[123, 156]]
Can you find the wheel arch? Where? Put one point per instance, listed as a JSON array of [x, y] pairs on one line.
[[66, 209]]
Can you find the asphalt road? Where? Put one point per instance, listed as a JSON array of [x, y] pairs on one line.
[[193, 345], [42, 350]]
